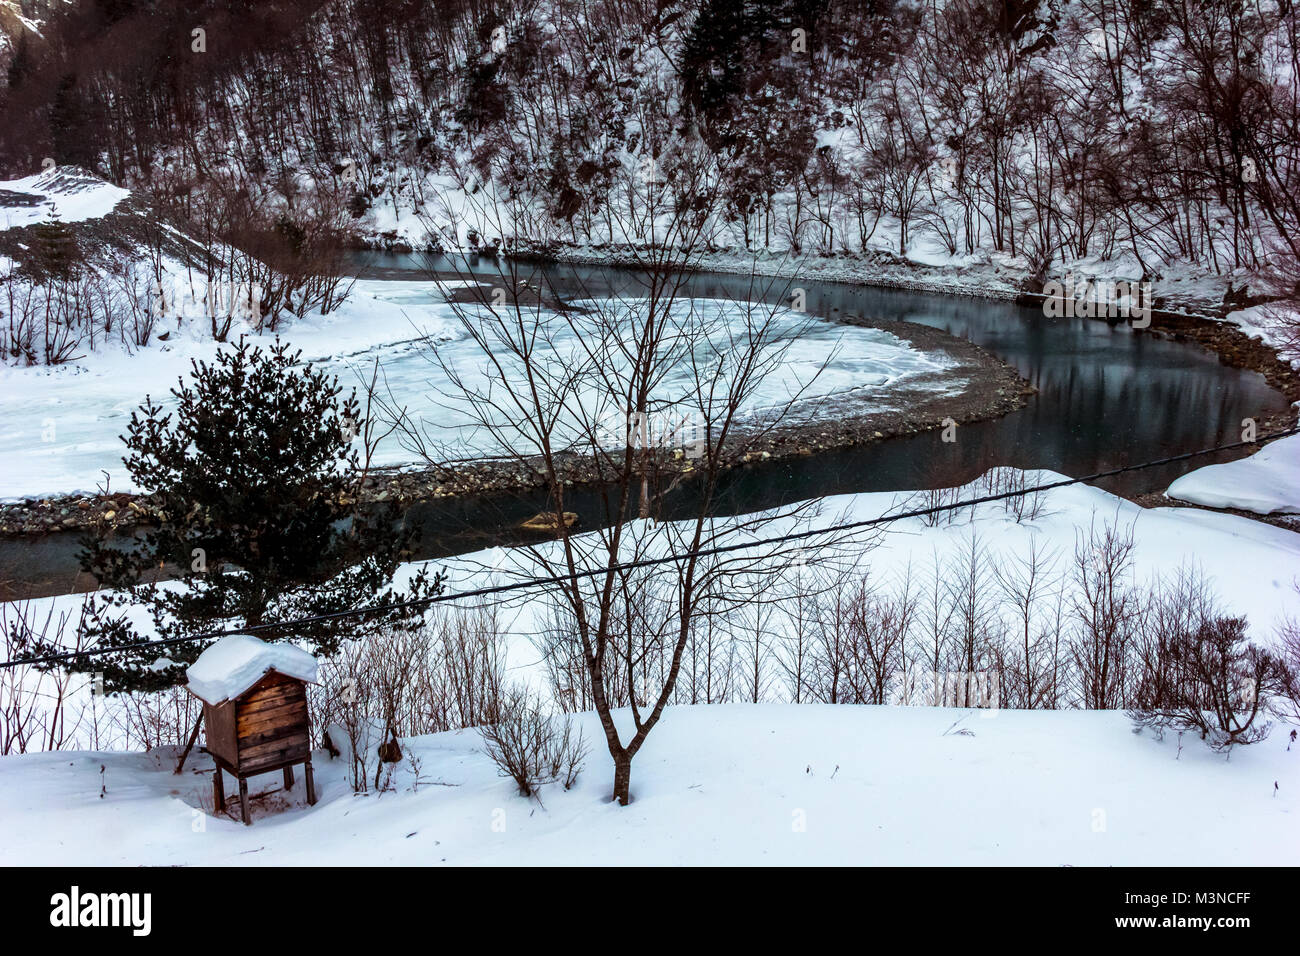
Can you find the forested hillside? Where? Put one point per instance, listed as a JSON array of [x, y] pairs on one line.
[[1155, 133]]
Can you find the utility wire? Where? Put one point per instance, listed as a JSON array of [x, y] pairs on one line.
[[644, 562]]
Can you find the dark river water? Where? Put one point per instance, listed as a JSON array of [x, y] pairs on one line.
[[1106, 397]]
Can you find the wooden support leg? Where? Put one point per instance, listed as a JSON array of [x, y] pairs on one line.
[[218, 792], [288, 778], [243, 802], [311, 784], [194, 735]]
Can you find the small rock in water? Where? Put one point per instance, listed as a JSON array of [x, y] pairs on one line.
[[545, 521]]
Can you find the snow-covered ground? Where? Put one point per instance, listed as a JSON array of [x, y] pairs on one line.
[[723, 784], [1269, 323], [1253, 568], [1268, 482], [62, 423], [767, 783], [65, 194]]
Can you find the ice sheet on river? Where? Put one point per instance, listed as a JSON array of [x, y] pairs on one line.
[[60, 426]]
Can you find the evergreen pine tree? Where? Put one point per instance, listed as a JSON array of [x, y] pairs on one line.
[[55, 255], [257, 486]]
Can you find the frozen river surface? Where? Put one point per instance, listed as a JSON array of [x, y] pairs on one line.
[[60, 427]]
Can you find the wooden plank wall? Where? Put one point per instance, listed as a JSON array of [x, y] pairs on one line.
[[271, 724]]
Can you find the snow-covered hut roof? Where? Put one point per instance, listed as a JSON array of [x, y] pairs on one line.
[[235, 663]]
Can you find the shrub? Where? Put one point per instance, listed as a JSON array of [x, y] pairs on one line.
[[533, 745], [1209, 679]]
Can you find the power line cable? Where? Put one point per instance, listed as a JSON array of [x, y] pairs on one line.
[[528, 583]]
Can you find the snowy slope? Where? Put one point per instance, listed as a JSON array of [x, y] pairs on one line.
[[1253, 568], [734, 784], [1266, 483], [1274, 324], [66, 194]]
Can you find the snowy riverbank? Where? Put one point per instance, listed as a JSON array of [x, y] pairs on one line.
[[1268, 482]]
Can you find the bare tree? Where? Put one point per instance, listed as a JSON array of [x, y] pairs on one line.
[[1027, 581], [42, 708], [971, 596], [882, 620], [591, 388], [1105, 608], [1290, 644]]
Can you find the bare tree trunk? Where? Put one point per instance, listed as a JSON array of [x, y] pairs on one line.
[[622, 778]]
